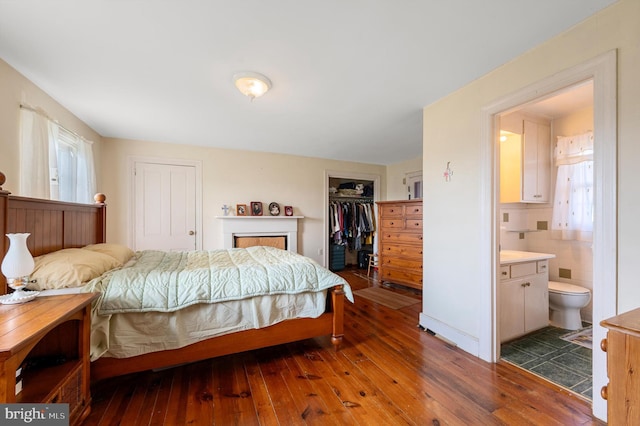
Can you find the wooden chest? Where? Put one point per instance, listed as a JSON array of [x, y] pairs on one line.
[[622, 346], [400, 242]]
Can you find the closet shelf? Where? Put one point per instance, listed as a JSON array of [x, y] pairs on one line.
[[349, 198]]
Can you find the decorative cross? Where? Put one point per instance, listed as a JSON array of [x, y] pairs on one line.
[[226, 209]]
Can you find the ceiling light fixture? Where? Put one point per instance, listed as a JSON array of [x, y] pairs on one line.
[[252, 84]]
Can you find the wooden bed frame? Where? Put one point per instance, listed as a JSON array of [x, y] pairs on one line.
[[55, 225]]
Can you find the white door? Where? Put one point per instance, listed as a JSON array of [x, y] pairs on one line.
[[165, 206]]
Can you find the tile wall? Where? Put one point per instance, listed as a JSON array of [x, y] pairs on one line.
[[521, 232]]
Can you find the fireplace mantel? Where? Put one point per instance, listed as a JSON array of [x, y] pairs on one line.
[[260, 226]]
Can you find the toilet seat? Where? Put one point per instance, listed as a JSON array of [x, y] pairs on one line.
[[566, 288]]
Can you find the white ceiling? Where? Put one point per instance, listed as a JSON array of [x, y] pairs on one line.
[[350, 77], [564, 102]]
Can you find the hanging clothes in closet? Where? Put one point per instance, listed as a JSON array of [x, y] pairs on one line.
[[351, 223]]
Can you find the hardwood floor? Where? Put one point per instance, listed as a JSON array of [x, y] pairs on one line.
[[388, 372]]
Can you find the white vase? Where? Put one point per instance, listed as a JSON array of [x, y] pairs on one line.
[[18, 261]]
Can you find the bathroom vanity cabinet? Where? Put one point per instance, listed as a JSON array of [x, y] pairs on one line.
[[525, 164], [524, 298]]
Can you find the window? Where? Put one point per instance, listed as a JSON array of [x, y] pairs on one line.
[[573, 202], [65, 175], [55, 163]]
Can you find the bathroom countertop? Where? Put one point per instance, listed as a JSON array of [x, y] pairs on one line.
[[508, 257]]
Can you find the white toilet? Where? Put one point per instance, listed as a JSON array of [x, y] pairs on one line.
[[565, 302]]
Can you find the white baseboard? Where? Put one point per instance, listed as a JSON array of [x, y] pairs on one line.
[[450, 335]]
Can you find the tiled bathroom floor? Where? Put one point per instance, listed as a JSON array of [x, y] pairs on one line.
[[544, 353]]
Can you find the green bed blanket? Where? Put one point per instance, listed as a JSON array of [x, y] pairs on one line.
[[168, 281]]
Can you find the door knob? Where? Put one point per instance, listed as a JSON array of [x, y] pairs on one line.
[[192, 233]]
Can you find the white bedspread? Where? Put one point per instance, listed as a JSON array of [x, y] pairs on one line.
[[137, 333]]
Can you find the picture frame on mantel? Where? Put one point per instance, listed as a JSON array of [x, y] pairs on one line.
[[288, 210], [241, 210], [256, 208]]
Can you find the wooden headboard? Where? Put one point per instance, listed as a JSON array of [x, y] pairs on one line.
[[53, 225]]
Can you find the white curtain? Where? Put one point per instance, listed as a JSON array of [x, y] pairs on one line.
[[573, 201], [37, 155], [54, 179], [41, 153], [86, 177]]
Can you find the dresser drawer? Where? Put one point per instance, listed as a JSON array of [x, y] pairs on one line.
[[402, 237], [413, 211], [400, 276], [412, 264], [393, 223], [413, 225], [400, 250], [391, 211]]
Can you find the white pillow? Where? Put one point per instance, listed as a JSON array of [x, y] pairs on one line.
[[69, 268], [118, 251]]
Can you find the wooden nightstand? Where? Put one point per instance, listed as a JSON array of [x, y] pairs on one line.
[[49, 339]]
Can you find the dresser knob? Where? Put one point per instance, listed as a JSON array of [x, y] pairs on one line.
[[604, 393], [603, 345]]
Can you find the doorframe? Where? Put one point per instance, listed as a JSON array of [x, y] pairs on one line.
[[132, 161], [603, 71], [346, 175]]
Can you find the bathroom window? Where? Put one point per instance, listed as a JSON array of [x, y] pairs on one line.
[[573, 201]]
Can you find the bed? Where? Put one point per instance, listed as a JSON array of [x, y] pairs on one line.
[[58, 226]]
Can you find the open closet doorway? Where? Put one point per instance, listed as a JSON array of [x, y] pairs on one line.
[[602, 71], [334, 260]]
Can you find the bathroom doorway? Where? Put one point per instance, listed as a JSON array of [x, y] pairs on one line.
[[602, 70], [526, 225]]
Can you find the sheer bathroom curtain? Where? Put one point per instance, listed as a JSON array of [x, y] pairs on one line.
[[573, 201]]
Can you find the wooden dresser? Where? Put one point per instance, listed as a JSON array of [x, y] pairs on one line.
[[400, 242], [622, 346]]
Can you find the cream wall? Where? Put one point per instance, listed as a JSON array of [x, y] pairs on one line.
[[233, 177], [452, 132], [396, 189], [14, 90]]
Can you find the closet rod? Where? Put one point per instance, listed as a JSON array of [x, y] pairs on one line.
[[351, 199]]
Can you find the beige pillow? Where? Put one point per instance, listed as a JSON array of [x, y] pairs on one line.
[[69, 268], [121, 253]]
